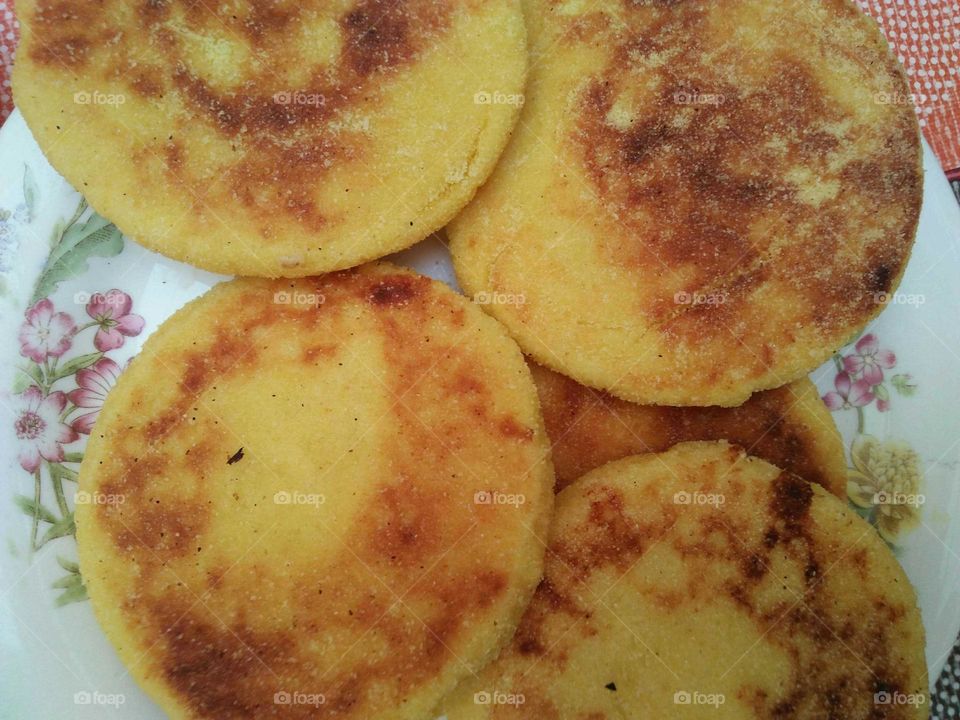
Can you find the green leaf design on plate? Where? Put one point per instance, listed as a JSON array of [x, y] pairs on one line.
[[97, 237], [67, 581], [58, 471], [73, 457], [60, 528], [78, 363], [72, 584], [902, 384], [31, 193], [881, 392], [68, 565], [56, 233], [30, 508], [26, 376], [75, 593]]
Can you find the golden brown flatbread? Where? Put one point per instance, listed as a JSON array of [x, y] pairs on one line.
[[278, 137], [702, 199], [315, 498], [702, 583], [788, 427]]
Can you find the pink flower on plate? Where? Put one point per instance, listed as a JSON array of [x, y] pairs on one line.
[[848, 394], [111, 311], [46, 333], [39, 429], [95, 382], [870, 360]]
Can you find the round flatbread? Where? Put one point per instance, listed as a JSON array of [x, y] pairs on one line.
[[704, 583], [789, 427], [313, 497], [702, 199], [280, 138]]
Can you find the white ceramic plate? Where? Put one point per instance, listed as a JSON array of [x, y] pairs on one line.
[[77, 300]]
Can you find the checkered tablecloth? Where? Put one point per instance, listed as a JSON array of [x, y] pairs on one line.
[[925, 34]]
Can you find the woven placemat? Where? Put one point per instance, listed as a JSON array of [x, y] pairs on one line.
[[946, 698]]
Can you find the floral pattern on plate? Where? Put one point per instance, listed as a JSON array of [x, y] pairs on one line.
[[65, 378], [885, 481]]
